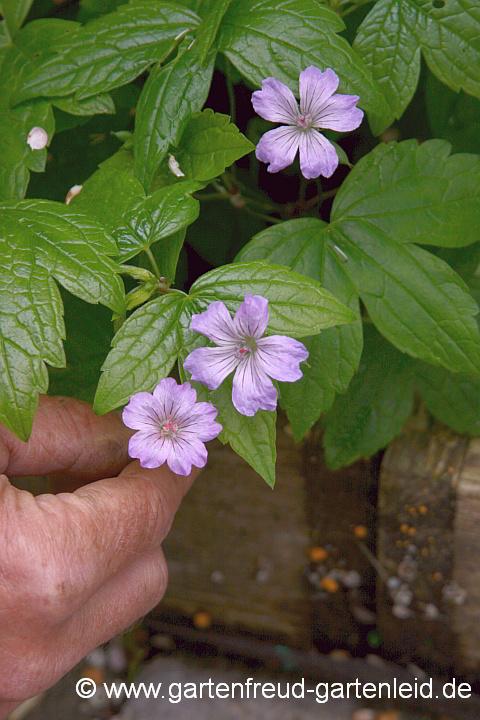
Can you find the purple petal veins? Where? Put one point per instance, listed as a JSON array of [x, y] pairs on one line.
[[319, 109], [171, 427], [241, 347]]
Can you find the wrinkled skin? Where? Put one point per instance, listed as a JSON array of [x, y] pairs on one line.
[[75, 567]]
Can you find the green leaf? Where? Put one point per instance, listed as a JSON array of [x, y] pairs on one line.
[[169, 98], [162, 214], [108, 194], [143, 352], [108, 51], [209, 144], [207, 31], [298, 306], [253, 438], [374, 408], [453, 116], [90, 9], [414, 193], [334, 354], [14, 13], [395, 31], [166, 256], [415, 299], [95, 105], [453, 398], [282, 37], [89, 334], [40, 241]]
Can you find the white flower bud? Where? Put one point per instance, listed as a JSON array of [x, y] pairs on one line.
[[73, 192], [37, 138], [174, 167]]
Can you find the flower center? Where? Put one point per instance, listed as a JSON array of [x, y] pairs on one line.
[[248, 346], [303, 121], [169, 427]]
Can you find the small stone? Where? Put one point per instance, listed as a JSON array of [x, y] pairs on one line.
[[330, 584], [364, 714], [407, 570], [317, 554], [360, 532], [431, 611], [339, 654], [373, 659], [116, 658], [37, 138], [393, 583], [401, 612], [262, 576], [202, 620], [217, 577], [352, 579], [314, 579], [404, 595], [453, 593], [100, 700], [96, 658], [363, 615], [163, 642]]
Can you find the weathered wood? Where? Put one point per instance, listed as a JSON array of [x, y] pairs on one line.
[[237, 549], [429, 538]]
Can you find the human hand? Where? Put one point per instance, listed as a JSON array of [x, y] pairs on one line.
[[76, 568]]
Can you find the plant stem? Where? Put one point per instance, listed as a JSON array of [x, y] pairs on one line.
[[267, 218], [153, 263], [231, 93], [354, 7]]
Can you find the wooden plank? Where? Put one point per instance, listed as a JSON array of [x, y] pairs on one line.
[[419, 480], [237, 549]]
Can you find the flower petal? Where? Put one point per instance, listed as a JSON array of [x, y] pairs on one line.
[[317, 155], [278, 147], [184, 454], [150, 448], [142, 412], [165, 395], [252, 389], [275, 102], [216, 323], [201, 422], [316, 87], [339, 114], [211, 365], [251, 317], [280, 357]]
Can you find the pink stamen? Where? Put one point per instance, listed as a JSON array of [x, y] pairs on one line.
[[169, 427]]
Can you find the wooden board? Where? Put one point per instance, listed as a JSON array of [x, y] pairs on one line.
[[237, 550]]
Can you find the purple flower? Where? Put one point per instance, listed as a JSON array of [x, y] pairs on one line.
[[318, 109], [172, 427], [241, 347]]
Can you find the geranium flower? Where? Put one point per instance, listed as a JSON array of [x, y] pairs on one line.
[[319, 108], [242, 347], [172, 427]]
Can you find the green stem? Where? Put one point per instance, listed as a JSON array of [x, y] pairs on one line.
[[231, 94], [354, 7], [153, 262], [267, 218]]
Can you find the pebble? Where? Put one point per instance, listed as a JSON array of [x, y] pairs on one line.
[[116, 657], [364, 714], [352, 579], [404, 595], [401, 612], [431, 611], [217, 577], [393, 583], [163, 642], [453, 593], [363, 615], [96, 658]]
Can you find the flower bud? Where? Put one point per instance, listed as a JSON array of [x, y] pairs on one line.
[[37, 138], [73, 192], [174, 167]]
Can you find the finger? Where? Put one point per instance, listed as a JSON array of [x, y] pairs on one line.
[[79, 540], [67, 437], [120, 602]]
